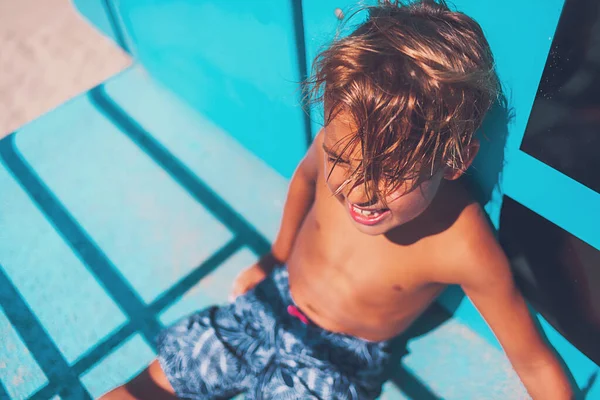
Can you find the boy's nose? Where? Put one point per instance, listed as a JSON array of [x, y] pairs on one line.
[[357, 195]]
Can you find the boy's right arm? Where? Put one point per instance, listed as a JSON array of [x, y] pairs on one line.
[[300, 197]]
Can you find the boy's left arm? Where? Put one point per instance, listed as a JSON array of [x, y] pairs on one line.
[[489, 283]]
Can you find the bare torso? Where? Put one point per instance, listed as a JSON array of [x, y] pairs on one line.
[[372, 287]]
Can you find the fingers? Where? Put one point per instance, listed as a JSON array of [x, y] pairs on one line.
[[237, 290], [245, 281], [240, 289]]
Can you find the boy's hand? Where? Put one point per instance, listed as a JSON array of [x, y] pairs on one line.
[[246, 280], [487, 279], [253, 275]]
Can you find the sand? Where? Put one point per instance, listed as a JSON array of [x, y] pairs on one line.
[[48, 54]]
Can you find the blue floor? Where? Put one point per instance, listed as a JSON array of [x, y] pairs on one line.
[[123, 210]]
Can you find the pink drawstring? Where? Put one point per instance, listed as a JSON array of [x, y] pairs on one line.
[[295, 312]]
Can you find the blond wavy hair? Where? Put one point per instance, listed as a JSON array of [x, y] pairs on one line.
[[417, 79]]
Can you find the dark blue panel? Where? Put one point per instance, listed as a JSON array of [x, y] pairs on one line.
[[565, 120], [559, 273]]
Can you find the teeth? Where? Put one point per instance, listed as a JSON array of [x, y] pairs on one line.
[[365, 212]]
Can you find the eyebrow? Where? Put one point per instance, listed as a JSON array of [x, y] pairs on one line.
[[339, 159], [331, 152]]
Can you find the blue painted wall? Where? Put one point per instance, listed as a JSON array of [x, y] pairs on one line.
[[321, 25], [234, 61]]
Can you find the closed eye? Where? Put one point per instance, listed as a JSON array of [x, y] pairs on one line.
[[336, 160], [332, 157]]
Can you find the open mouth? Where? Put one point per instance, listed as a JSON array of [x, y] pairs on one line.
[[367, 216]]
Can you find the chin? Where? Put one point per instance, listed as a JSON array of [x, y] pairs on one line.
[[373, 230]]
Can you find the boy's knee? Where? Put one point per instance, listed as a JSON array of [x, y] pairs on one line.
[[119, 393], [151, 384]]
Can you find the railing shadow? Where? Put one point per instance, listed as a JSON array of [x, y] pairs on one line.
[[402, 378], [64, 379]]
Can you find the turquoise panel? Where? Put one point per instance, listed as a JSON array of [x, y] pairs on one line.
[[235, 62]]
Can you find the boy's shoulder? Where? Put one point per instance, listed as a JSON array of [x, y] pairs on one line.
[[473, 254]]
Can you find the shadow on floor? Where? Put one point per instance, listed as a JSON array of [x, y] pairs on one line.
[[65, 379]]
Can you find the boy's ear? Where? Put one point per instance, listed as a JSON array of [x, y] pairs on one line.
[[453, 174]]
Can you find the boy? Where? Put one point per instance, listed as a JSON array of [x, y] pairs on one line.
[[375, 226]]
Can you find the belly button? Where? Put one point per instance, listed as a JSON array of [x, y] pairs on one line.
[[311, 308], [397, 287]]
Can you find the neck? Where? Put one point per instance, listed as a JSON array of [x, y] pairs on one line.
[[436, 218]]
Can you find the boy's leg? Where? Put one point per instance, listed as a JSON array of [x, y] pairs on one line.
[[194, 361], [215, 353], [151, 384]]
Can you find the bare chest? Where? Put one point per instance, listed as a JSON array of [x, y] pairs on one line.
[[369, 267]]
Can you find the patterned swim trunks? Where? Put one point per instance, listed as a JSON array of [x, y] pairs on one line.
[[264, 346]]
